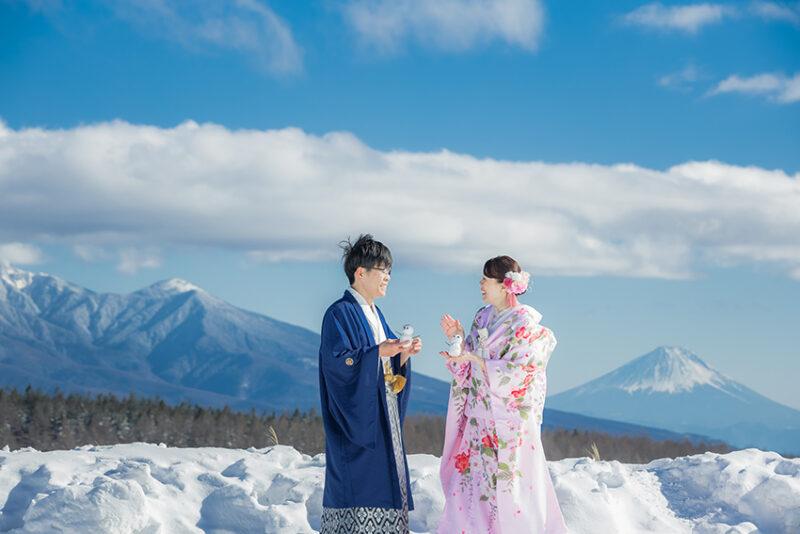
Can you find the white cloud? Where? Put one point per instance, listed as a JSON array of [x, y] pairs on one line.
[[129, 259], [248, 27], [453, 25], [21, 254], [133, 259], [287, 195], [91, 254], [682, 80], [777, 11], [688, 18], [790, 91], [776, 87]]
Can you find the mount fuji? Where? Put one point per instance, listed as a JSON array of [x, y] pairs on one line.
[[170, 339], [672, 388]]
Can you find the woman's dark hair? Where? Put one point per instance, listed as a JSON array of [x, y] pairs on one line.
[[498, 267], [365, 252]]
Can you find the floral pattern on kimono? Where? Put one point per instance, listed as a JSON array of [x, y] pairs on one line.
[[493, 471]]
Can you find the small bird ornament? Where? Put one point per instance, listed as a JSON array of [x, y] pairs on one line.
[[455, 345], [406, 336]]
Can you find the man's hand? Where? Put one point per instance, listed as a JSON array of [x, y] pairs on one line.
[[413, 348], [388, 348]]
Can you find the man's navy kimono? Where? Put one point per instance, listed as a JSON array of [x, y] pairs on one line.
[[360, 468]]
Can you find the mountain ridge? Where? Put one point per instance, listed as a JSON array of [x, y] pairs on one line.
[[171, 338]]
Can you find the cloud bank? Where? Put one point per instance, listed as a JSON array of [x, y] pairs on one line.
[[280, 195], [451, 25]]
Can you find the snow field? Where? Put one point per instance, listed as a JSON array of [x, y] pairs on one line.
[[151, 489]]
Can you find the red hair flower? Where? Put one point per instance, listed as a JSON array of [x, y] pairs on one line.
[[517, 283]]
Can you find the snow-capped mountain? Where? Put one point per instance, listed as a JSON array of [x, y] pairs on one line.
[[170, 339], [672, 388]]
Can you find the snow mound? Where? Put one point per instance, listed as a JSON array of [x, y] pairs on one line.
[[148, 489]]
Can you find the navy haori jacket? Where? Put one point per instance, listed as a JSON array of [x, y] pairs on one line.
[[360, 467]]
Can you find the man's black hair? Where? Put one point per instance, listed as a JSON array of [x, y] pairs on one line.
[[365, 252]]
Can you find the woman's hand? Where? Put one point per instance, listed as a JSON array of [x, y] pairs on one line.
[[465, 357], [451, 327]]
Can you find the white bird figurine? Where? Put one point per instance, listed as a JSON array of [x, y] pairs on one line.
[[406, 337], [455, 345]]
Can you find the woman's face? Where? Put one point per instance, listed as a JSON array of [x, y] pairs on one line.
[[493, 292]]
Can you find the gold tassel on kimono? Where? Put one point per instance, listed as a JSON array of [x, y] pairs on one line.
[[396, 381]]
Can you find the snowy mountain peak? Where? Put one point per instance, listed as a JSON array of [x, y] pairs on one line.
[[668, 370], [24, 281], [174, 286], [16, 278]]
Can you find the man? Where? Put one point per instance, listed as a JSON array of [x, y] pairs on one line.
[[364, 379]]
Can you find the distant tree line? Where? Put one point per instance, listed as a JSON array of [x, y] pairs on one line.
[[58, 421]]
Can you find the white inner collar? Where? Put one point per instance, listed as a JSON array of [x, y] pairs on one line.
[[371, 313]]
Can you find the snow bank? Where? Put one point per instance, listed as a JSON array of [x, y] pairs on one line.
[[148, 489]]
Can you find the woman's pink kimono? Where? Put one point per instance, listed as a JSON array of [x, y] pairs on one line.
[[493, 471]]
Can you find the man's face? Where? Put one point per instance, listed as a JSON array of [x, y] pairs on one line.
[[375, 281]]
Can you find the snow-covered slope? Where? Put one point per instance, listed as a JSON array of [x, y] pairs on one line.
[[170, 339], [142, 488], [672, 388]]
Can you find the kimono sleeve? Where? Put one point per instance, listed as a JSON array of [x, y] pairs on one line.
[[516, 380], [350, 373]]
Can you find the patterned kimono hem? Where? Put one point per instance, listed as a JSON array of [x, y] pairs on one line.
[[362, 519], [373, 520]]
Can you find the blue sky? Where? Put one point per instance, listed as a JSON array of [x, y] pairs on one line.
[[640, 159]]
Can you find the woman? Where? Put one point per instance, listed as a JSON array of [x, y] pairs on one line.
[[493, 471]]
